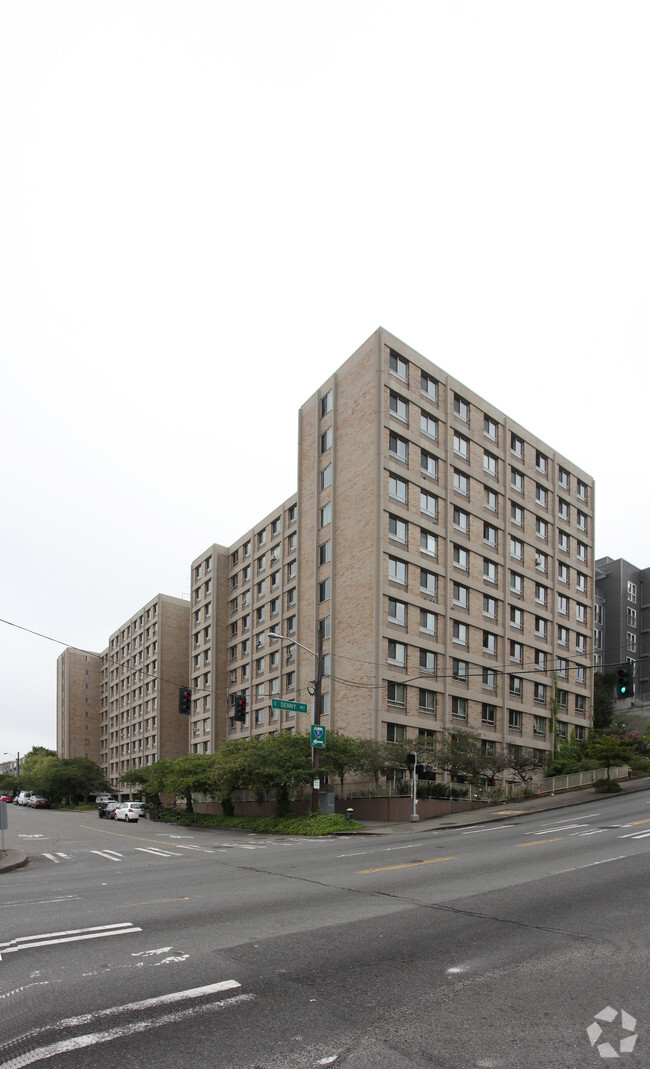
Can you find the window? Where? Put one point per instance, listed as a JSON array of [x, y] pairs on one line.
[[397, 529], [581, 551], [398, 447], [489, 607], [540, 693], [562, 635], [489, 428], [541, 561], [562, 604], [461, 483], [292, 542], [489, 679], [514, 719], [429, 426], [460, 595], [631, 642], [563, 477], [459, 670], [581, 490], [261, 588], [429, 386], [427, 701], [398, 366], [516, 651], [541, 529], [516, 548], [580, 704], [562, 667], [581, 614], [429, 504], [324, 590], [398, 407], [562, 699], [488, 714], [631, 617], [541, 495], [324, 627], [396, 694], [491, 500], [581, 521], [326, 514], [428, 543], [427, 622], [490, 535], [581, 644], [489, 571], [461, 520], [397, 489], [395, 732], [489, 643], [326, 440], [428, 464], [516, 618], [461, 408], [539, 725], [291, 597], [516, 514], [428, 662], [428, 582], [326, 403], [396, 612], [459, 708], [460, 557], [516, 481], [490, 466], [631, 592], [563, 541], [396, 570], [324, 553], [517, 446], [562, 573], [460, 632], [396, 653], [581, 583], [461, 445], [540, 627], [326, 477], [516, 584], [515, 686], [580, 675], [541, 462], [563, 510]]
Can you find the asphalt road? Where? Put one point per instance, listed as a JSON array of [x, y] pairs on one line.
[[468, 948]]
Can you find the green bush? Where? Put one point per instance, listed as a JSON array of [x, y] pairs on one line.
[[607, 786], [293, 825]]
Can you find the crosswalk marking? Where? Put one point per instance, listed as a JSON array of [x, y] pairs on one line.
[[157, 852], [110, 855]]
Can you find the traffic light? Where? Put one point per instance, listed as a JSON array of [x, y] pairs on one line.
[[410, 759], [625, 680], [184, 700], [240, 708]]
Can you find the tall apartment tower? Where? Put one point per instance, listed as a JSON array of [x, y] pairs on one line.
[[621, 620], [77, 704], [443, 553]]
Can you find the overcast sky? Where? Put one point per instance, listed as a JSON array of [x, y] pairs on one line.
[[206, 207]]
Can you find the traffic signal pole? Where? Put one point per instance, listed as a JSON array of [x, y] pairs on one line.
[[315, 719]]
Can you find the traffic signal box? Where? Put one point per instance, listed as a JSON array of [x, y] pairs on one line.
[[184, 701], [240, 708], [625, 680]]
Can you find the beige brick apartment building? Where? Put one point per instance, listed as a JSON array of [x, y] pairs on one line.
[[444, 553]]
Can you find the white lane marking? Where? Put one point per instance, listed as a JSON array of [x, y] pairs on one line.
[[41, 901], [75, 935], [565, 827], [493, 827], [52, 858], [93, 1038], [66, 856], [149, 953], [634, 835], [157, 852], [357, 853], [605, 861], [110, 855]]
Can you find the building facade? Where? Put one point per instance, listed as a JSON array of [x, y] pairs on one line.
[[621, 620], [443, 554], [77, 705]]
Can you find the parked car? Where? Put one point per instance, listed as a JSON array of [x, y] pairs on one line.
[[23, 798], [140, 808], [108, 809], [126, 812], [6, 798], [102, 799], [37, 801]]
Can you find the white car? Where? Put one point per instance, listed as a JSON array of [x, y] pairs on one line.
[[23, 798], [126, 812]]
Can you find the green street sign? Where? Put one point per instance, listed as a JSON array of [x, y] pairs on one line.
[[290, 707], [317, 737]]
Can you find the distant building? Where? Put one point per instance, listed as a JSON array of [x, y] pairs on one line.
[[621, 620], [77, 704]]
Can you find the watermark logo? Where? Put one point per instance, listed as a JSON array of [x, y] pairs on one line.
[[624, 1034]]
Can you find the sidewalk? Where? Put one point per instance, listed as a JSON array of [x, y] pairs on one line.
[[502, 811]]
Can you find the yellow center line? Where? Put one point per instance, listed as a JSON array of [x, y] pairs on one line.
[[125, 835], [633, 822], [408, 865], [538, 842]]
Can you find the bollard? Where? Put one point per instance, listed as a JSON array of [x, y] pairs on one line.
[[349, 814]]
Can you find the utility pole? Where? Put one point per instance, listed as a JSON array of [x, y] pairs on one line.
[[315, 719]]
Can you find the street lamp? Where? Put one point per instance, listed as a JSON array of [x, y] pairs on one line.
[[315, 708]]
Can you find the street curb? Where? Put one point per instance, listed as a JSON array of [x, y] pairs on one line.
[[13, 859]]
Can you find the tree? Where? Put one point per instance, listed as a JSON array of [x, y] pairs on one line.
[[377, 757], [604, 683], [188, 775], [74, 778], [342, 754], [459, 752], [607, 750], [523, 762]]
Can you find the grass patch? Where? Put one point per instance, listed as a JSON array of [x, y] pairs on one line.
[[307, 825]]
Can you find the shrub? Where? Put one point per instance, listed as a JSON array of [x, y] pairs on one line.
[[607, 786], [293, 825]]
